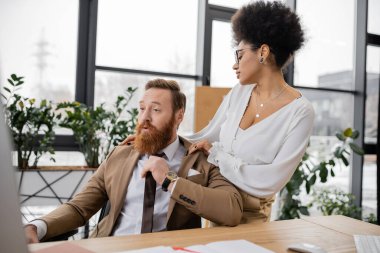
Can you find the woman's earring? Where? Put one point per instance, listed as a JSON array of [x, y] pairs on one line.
[[261, 60]]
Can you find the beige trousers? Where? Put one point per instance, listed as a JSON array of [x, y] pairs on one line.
[[255, 210]]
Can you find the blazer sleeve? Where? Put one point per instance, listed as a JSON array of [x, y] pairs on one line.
[[219, 201], [265, 180], [80, 209]]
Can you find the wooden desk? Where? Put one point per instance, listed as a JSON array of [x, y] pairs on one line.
[[333, 233]]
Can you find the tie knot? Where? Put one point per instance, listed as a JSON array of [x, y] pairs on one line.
[[160, 154]]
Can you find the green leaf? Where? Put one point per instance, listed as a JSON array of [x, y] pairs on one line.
[[7, 89], [344, 159], [14, 77], [358, 150], [348, 132], [323, 174], [313, 179], [355, 134], [307, 185], [338, 152], [11, 82], [304, 210], [340, 137], [332, 173]]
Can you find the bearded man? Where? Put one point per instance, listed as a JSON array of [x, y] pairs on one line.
[[152, 185]]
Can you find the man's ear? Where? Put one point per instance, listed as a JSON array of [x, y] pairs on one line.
[[180, 114]]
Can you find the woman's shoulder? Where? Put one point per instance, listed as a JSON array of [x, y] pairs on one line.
[[303, 106]]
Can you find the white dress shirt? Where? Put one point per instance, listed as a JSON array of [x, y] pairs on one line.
[[130, 218], [262, 158]]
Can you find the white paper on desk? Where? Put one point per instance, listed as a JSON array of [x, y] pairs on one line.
[[241, 246], [201, 249], [158, 249]]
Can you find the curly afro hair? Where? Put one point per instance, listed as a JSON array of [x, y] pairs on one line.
[[270, 23]]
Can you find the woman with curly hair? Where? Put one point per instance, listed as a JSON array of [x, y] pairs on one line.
[[261, 130]]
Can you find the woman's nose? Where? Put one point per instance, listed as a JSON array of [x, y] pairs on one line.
[[235, 66]]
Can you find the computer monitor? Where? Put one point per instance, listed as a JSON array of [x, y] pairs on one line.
[[12, 237]]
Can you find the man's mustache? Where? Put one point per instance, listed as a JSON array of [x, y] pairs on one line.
[[145, 125]]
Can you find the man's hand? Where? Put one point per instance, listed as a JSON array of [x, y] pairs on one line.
[[129, 140], [31, 234], [159, 168], [202, 145]]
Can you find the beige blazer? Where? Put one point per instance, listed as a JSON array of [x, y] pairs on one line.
[[207, 194]]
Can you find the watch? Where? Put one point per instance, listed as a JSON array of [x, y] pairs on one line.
[[171, 176]]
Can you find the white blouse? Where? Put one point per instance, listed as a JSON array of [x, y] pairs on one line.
[[262, 158]]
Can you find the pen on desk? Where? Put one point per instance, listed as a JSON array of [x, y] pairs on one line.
[[184, 249]]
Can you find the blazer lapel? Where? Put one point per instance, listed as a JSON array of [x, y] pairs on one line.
[[187, 162], [124, 178]]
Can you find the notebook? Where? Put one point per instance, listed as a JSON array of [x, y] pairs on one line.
[[367, 243], [12, 239]]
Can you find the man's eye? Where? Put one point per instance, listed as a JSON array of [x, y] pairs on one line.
[[142, 108], [240, 57], [156, 110]]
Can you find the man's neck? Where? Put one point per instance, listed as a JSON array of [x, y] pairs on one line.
[[173, 139], [171, 148]]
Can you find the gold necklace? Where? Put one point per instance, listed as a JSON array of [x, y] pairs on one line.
[[263, 103]]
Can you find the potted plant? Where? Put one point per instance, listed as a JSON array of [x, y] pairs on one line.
[[31, 124], [309, 171], [97, 130]]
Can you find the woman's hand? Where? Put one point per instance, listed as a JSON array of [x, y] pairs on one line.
[[129, 140], [202, 145]]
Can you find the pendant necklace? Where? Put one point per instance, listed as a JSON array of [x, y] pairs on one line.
[[260, 106]]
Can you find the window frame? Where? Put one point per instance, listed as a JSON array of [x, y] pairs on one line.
[[86, 68]]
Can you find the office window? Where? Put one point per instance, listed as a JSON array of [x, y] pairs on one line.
[[38, 40], [369, 202], [222, 55], [327, 57], [333, 111], [233, 3], [372, 99], [148, 35], [373, 17], [109, 85]]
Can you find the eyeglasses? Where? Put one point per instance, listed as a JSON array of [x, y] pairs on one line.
[[237, 58]]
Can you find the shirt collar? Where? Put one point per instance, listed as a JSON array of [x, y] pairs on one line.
[[171, 149]]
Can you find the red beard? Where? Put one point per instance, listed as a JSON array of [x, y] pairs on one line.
[[154, 140]]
